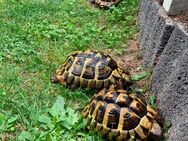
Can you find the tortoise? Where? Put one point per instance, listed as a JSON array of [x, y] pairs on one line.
[[105, 3], [122, 115], [91, 69]]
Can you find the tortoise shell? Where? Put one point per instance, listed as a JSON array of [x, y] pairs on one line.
[[91, 69], [105, 3], [121, 115]]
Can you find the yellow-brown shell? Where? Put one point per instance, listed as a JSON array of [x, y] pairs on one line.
[[105, 3], [120, 115], [91, 69]]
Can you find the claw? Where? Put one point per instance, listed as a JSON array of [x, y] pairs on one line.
[[54, 79]]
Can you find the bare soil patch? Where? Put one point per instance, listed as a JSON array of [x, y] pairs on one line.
[[131, 60], [183, 18]]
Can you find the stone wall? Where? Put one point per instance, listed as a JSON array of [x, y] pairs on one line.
[[164, 48], [174, 7]]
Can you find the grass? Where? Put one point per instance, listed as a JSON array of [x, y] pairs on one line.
[[35, 37]]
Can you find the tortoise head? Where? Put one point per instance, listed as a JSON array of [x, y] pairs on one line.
[[56, 77], [124, 78]]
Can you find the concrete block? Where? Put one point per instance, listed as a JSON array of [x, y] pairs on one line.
[[170, 84], [155, 31], [174, 7], [164, 47]]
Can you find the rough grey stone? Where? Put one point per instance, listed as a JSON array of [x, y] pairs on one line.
[[164, 46], [155, 30], [177, 45], [170, 84]]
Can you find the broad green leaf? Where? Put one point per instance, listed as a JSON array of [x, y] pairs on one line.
[[67, 124], [139, 76], [34, 114], [12, 129], [3, 118], [50, 125], [54, 111], [167, 124], [8, 126], [4, 93], [90, 138], [139, 90], [70, 119], [80, 124], [43, 126], [71, 140], [12, 119], [58, 107], [42, 135], [70, 111], [72, 115], [152, 100], [25, 135], [44, 119]]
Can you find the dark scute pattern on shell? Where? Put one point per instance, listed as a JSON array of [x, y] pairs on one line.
[[104, 71], [77, 68], [149, 118], [124, 100], [104, 3], [89, 71], [111, 97], [145, 130], [137, 136], [131, 118], [100, 96], [113, 117], [93, 106], [69, 63], [139, 109], [130, 121], [66, 74], [112, 63], [86, 62], [100, 113], [119, 111]]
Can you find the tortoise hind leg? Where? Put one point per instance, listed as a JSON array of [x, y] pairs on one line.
[[156, 131]]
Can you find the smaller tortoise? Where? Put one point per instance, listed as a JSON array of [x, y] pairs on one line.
[[105, 3], [122, 116], [91, 69]]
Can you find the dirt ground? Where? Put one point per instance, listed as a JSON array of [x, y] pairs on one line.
[[183, 18], [131, 61]]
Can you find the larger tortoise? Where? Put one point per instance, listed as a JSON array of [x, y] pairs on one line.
[[91, 69], [122, 115], [105, 3]]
